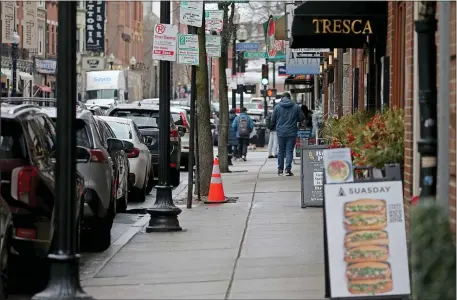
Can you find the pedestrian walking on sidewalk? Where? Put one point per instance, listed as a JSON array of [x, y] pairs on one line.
[[273, 139], [232, 140], [243, 126], [286, 115]]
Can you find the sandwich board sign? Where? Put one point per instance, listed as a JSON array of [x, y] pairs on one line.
[[191, 13], [188, 49], [213, 45], [164, 46], [214, 20], [366, 240], [338, 165]]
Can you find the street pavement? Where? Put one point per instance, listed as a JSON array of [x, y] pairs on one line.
[[263, 246]]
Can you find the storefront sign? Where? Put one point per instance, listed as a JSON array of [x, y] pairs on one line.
[[342, 26], [8, 16], [366, 240], [95, 26], [93, 63], [45, 66], [164, 45], [29, 24], [312, 166], [338, 165]]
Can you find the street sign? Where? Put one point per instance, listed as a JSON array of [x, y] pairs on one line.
[[188, 49], [164, 46], [254, 55], [213, 45], [247, 47], [191, 13], [282, 71], [214, 20]]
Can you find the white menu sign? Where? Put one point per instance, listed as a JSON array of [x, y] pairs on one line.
[[366, 239], [191, 13], [164, 46], [338, 165], [188, 49], [213, 45]]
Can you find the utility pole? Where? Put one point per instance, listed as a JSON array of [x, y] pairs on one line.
[[64, 277], [164, 213]]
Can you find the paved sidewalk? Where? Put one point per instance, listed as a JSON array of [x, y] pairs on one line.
[[262, 247]]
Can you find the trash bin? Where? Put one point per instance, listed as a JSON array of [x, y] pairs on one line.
[[261, 131]]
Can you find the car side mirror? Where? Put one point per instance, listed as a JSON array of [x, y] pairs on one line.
[[82, 155], [115, 145], [182, 130], [128, 145]]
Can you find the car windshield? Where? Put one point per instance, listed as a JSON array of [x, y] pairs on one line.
[[121, 130], [142, 118]]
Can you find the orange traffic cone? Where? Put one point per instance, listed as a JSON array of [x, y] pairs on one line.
[[216, 188]]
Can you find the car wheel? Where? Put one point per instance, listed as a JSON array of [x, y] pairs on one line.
[[121, 206], [99, 235], [4, 266], [151, 183], [139, 194], [175, 177]]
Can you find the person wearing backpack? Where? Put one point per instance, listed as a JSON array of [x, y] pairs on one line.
[[286, 115], [273, 139], [243, 126]]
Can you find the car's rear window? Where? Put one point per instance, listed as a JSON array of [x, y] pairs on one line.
[[142, 118], [121, 130], [82, 137], [11, 142]]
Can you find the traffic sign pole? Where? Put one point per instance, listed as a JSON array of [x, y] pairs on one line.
[[265, 104]]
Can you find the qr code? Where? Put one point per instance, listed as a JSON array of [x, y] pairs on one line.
[[395, 213]]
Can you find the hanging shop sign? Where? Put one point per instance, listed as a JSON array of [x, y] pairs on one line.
[[95, 26], [213, 45], [93, 63], [191, 13], [29, 9], [270, 37], [302, 62], [8, 20], [45, 66], [188, 49], [366, 240], [214, 20], [164, 45]]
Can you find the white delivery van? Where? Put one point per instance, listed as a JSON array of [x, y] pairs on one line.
[[106, 88]]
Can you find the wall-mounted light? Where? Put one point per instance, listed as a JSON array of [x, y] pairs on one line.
[[330, 59], [321, 69], [325, 65], [335, 53]]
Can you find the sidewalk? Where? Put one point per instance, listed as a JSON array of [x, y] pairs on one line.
[[262, 247]]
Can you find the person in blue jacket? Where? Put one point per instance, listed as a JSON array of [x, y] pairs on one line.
[[286, 115], [243, 126], [232, 139]]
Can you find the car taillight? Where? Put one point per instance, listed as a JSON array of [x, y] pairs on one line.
[[174, 135], [184, 120], [133, 152], [97, 155], [25, 186]]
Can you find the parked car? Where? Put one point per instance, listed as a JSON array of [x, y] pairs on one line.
[[151, 101], [100, 175], [121, 165], [181, 117], [146, 118], [27, 191], [96, 110], [141, 175]]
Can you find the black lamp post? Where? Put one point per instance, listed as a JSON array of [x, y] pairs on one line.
[[64, 277], [236, 20], [164, 214], [242, 36], [15, 44], [156, 87]]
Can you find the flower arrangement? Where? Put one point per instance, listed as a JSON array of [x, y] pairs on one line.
[[374, 141]]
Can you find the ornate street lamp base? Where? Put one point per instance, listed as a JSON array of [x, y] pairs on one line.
[[64, 280], [164, 214]]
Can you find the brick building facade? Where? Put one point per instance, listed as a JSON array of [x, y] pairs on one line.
[[403, 90]]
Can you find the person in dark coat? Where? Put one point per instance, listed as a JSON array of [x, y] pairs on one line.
[[232, 140]]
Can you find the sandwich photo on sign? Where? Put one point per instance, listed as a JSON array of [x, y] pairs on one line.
[[365, 214], [366, 238]]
